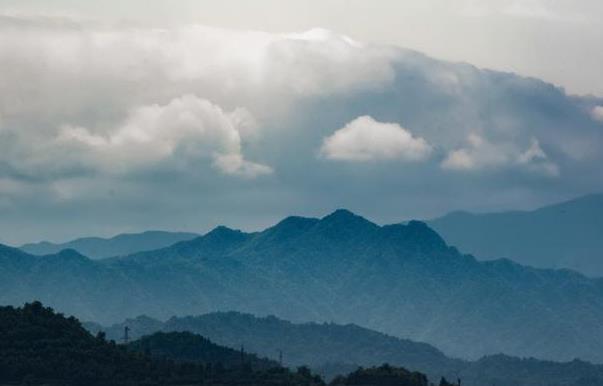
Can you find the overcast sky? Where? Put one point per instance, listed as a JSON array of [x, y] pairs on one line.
[[131, 115]]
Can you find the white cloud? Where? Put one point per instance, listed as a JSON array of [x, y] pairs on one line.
[[597, 113], [248, 68], [365, 139], [187, 129], [480, 153]]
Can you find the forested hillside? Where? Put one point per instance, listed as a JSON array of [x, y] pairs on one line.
[[189, 347], [41, 347]]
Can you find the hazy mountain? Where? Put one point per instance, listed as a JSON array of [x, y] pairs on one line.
[[566, 235], [332, 349], [41, 347], [311, 344], [403, 280], [120, 245]]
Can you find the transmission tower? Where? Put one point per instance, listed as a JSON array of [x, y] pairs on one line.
[[126, 337]]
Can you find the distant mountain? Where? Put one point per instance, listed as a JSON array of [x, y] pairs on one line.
[[403, 280], [332, 349], [309, 344], [41, 347], [120, 245], [566, 235]]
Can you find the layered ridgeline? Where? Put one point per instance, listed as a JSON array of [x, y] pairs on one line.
[[330, 349], [403, 280], [565, 235], [41, 347], [120, 245]]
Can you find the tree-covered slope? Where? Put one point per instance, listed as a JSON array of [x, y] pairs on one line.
[[384, 376], [41, 347], [565, 235], [189, 347]]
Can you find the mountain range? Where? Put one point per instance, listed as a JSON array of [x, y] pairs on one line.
[[120, 245], [565, 235], [331, 349], [401, 279]]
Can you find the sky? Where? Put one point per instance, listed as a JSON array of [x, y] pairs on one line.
[[122, 116]]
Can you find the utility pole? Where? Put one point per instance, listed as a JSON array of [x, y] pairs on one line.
[[280, 357]]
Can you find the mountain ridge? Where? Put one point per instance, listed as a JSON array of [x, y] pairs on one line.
[[403, 280], [119, 245], [332, 349], [562, 235]]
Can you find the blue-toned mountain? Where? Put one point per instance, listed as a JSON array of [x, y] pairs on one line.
[[403, 280], [120, 245], [564, 235]]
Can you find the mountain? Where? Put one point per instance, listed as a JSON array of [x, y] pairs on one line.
[[189, 347], [120, 245], [311, 344], [402, 279], [566, 235], [330, 350], [41, 347]]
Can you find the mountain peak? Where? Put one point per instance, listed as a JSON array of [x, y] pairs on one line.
[[341, 213], [71, 254], [343, 224], [346, 217], [222, 230], [220, 238]]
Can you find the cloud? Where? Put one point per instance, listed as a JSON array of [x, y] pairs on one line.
[[187, 129], [479, 154], [536, 160], [597, 113], [225, 66], [365, 139], [188, 126], [82, 95]]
